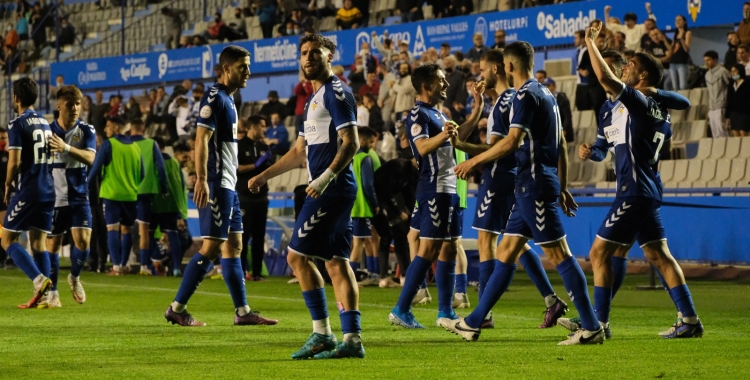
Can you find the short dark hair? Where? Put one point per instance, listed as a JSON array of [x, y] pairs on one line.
[[69, 92], [117, 120], [445, 45], [581, 33], [652, 66], [137, 122], [619, 59], [744, 47], [232, 54], [711, 54], [630, 16], [159, 142], [495, 56], [256, 120], [320, 40], [181, 148], [369, 96], [522, 51], [542, 72], [26, 90], [422, 75], [3, 130], [740, 69]]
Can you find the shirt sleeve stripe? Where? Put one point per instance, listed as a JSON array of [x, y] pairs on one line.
[[493, 133], [417, 137], [14, 148], [347, 124], [206, 126], [525, 129], [621, 91]]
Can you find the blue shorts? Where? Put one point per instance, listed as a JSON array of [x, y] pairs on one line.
[[440, 217], [119, 212], [166, 221], [222, 214], [67, 217], [361, 228], [631, 218], [324, 228], [22, 215], [143, 208], [415, 217], [536, 219], [494, 202]]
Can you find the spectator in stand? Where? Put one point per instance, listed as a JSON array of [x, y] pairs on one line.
[[39, 35], [375, 120], [371, 86], [321, 8], [267, 16], [563, 104], [99, 111], [301, 20], [348, 17], [646, 41], [67, 33], [540, 76], [387, 53], [181, 89], [410, 10], [237, 27], [738, 103], [618, 43], [216, 30], [116, 108], [403, 47], [180, 110], [22, 27], [743, 57], [632, 30], [198, 92], [133, 110], [445, 50], [402, 91], [273, 106], [499, 39], [679, 71], [363, 114], [175, 18], [660, 47], [717, 82], [743, 30], [455, 80], [338, 71], [478, 49], [730, 57], [277, 137], [23, 7], [475, 71], [596, 93], [288, 29], [303, 90], [59, 82], [159, 107], [85, 114], [10, 37], [385, 101]]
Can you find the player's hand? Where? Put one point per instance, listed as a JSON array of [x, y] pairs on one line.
[[450, 130], [56, 144], [404, 216], [463, 169], [255, 183], [181, 224], [567, 203], [593, 31], [608, 8], [6, 198], [584, 151], [648, 7], [478, 90], [201, 195]]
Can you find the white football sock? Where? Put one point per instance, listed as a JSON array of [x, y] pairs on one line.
[[241, 311], [38, 281], [690, 320], [353, 339], [322, 326], [178, 307], [550, 300]]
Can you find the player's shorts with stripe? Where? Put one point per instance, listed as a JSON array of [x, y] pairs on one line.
[[440, 217], [415, 218], [324, 228], [25, 214], [361, 228], [119, 212], [143, 208], [222, 214], [166, 221], [67, 217], [630, 218], [536, 219], [495, 199]]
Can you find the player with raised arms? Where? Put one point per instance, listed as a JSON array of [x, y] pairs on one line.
[[216, 196], [438, 213], [638, 129], [536, 137], [324, 227], [73, 143], [29, 189], [496, 194]]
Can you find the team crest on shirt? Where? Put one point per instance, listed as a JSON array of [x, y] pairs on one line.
[[314, 105], [416, 129], [206, 111]]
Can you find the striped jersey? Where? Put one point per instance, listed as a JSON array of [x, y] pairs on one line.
[[70, 175], [30, 134], [498, 124], [436, 168], [218, 114]]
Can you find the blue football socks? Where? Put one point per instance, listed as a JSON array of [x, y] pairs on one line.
[[461, 282], [415, 276], [195, 271], [235, 280], [41, 259], [575, 284], [145, 256], [127, 247], [354, 265], [496, 286], [78, 260], [619, 268], [350, 322], [315, 300], [485, 271], [445, 277], [533, 266], [113, 243], [684, 300], [23, 260], [54, 271], [175, 249], [602, 303]]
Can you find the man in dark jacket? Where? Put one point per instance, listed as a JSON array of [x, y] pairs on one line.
[[273, 106], [563, 104]]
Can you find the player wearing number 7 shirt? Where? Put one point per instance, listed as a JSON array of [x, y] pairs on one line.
[[29, 189]]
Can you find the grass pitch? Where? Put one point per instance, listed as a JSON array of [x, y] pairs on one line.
[[120, 333]]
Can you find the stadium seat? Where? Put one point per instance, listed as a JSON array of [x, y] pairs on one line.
[[573, 171], [694, 170], [598, 172], [704, 148], [708, 170], [684, 185], [666, 170], [587, 119], [732, 148], [676, 116], [680, 170], [737, 171], [695, 96], [723, 169], [718, 147], [601, 185], [745, 147], [274, 184], [575, 119], [698, 130], [685, 93]]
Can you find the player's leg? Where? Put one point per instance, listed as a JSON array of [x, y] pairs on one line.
[[126, 246], [556, 307], [258, 233], [112, 212], [401, 246], [619, 267], [79, 253], [445, 279], [358, 245], [460, 298], [143, 218], [54, 244], [429, 250], [247, 222], [371, 253]]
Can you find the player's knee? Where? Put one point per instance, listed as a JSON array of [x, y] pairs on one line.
[[83, 245], [296, 261]]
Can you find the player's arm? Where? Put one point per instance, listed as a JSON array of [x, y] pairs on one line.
[[84, 156], [103, 157], [567, 203], [669, 99], [345, 154], [292, 159], [14, 163], [476, 113], [504, 147], [368, 184], [161, 170], [426, 145], [202, 137], [607, 78], [598, 151], [474, 149]]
